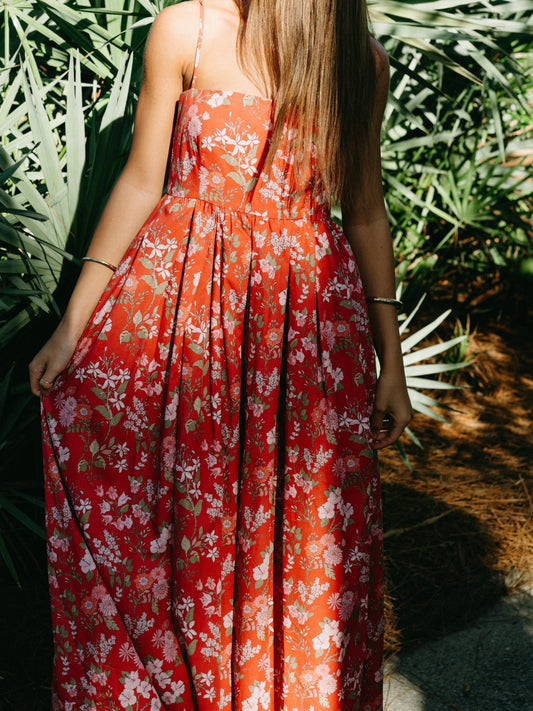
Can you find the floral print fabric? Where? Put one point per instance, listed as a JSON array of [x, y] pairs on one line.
[[213, 508]]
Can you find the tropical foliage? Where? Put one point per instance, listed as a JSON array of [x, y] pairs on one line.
[[457, 137]]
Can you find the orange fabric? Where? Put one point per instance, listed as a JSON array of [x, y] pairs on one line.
[[213, 504]]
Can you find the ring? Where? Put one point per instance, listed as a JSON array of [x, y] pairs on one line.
[[45, 382]]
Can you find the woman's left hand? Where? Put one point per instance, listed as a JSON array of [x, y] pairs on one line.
[[392, 408]]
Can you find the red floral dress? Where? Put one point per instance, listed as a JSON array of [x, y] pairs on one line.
[[213, 507]]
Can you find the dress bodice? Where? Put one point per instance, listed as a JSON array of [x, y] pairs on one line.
[[220, 144]]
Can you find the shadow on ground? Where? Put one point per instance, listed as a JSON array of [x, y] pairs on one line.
[[439, 566]]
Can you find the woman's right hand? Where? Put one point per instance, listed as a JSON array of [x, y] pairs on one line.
[[51, 360]]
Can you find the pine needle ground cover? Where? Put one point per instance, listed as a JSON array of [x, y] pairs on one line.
[[459, 525]]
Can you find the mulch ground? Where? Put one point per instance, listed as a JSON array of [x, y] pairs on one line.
[[459, 526]]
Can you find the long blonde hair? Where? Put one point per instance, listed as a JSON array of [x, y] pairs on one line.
[[320, 69]]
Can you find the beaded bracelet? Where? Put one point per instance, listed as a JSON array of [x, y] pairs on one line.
[[384, 300], [99, 261]]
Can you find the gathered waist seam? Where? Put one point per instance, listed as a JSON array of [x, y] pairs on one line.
[[282, 213]]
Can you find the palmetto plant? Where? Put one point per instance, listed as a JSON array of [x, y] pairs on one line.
[[423, 369], [420, 365], [80, 152], [457, 175], [447, 30]]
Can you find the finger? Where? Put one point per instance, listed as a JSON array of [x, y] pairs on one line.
[[388, 436], [46, 382], [36, 373], [381, 423], [376, 421], [41, 378]]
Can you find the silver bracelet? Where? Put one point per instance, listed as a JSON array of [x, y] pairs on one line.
[[99, 261], [384, 300]]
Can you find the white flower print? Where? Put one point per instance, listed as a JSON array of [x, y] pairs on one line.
[[160, 544], [330, 634], [218, 98], [327, 685], [260, 698], [327, 510], [87, 563], [261, 571], [127, 698]]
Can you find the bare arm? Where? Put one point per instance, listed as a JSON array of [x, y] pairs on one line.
[[170, 45], [367, 229]]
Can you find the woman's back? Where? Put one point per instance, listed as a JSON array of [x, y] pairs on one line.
[[219, 66], [222, 137]]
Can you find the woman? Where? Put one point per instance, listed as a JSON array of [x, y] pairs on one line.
[[210, 411]]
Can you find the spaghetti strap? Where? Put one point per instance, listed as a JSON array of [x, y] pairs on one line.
[[199, 44]]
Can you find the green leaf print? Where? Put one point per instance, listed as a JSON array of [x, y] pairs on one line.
[[230, 159], [147, 263], [116, 419], [203, 365], [149, 280], [190, 426], [330, 436], [105, 412], [161, 288], [237, 178]]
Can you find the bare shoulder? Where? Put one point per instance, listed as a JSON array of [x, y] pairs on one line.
[[381, 59], [223, 15], [174, 33], [182, 18]]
